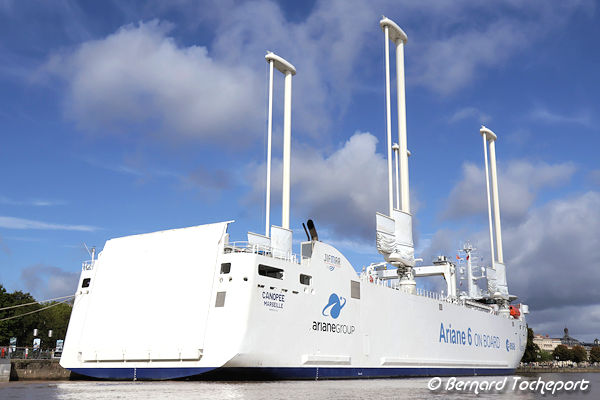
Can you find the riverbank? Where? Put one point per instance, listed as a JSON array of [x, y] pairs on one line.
[[38, 370], [537, 370], [50, 370]]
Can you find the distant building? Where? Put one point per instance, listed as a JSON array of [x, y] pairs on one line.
[[546, 343], [568, 340]]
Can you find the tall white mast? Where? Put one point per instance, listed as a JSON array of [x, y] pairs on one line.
[[388, 117], [395, 147], [287, 149], [495, 195], [288, 70], [397, 244], [484, 134], [269, 135], [497, 284], [394, 33], [489, 136], [399, 38]]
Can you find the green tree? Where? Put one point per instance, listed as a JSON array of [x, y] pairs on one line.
[[531, 350], [595, 354], [16, 327], [562, 353], [55, 318], [579, 354], [544, 356]]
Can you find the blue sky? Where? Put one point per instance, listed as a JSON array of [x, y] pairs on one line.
[[118, 119]]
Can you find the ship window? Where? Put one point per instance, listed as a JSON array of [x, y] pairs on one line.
[[86, 282], [355, 289], [441, 307], [225, 268], [306, 249], [271, 272], [220, 301], [305, 279]]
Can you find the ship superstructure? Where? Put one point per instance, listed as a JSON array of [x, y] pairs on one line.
[[192, 303]]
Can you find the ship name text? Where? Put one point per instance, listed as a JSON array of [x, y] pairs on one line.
[[467, 337], [273, 300]]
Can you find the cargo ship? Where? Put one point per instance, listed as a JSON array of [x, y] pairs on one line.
[[193, 303]]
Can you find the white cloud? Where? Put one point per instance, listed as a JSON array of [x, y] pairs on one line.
[[22, 223], [519, 183], [139, 76], [119, 168], [340, 191], [470, 113], [325, 48], [552, 257], [552, 321], [548, 117], [460, 50], [48, 282], [31, 202], [450, 64], [554, 253], [345, 188], [594, 176]]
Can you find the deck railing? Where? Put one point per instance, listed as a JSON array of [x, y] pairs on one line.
[[255, 248], [429, 294]]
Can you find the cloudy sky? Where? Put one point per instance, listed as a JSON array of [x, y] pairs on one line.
[[121, 118]]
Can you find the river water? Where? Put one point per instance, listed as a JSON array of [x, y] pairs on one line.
[[409, 388]]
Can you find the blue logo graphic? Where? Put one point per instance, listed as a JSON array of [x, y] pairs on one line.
[[334, 306]]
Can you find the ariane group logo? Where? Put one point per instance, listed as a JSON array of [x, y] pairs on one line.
[[332, 309], [334, 306]]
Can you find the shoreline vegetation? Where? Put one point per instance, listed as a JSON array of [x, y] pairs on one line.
[[556, 369]]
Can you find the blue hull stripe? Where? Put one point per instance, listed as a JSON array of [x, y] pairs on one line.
[[280, 373], [139, 373], [349, 373]]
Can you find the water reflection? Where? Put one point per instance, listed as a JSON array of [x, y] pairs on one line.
[[292, 390]]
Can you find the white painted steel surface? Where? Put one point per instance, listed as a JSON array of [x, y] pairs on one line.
[[188, 298], [388, 119], [269, 139], [395, 148], [288, 70], [148, 299], [404, 184], [497, 227], [141, 311], [487, 187], [287, 149]]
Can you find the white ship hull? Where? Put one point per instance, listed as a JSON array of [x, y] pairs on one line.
[[163, 306]]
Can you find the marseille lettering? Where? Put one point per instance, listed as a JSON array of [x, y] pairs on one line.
[[333, 327], [467, 337], [273, 300]]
